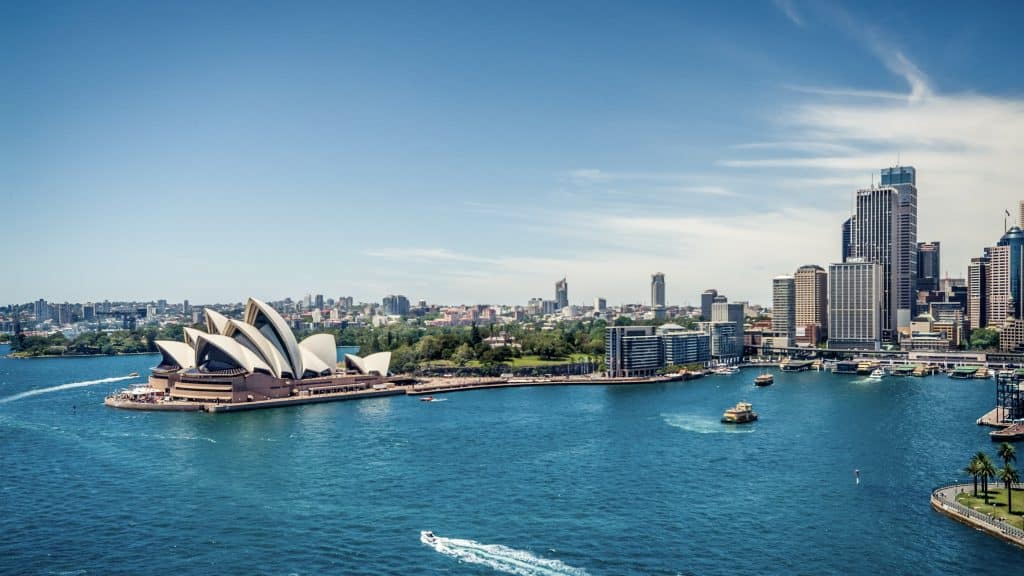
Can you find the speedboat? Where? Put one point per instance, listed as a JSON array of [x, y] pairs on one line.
[[428, 537], [427, 399], [877, 373], [133, 374]]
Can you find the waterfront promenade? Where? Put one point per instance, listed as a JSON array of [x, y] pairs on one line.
[[943, 500]]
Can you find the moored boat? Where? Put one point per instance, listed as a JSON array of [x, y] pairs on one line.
[[742, 413]]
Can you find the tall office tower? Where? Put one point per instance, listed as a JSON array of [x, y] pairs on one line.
[[318, 302], [904, 180], [847, 238], [707, 298], [928, 271], [561, 294], [977, 291], [658, 289], [729, 315], [186, 308], [1013, 240], [1021, 221], [600, 304], [811, 283], [875, 238], [784, 308], [855, 298]]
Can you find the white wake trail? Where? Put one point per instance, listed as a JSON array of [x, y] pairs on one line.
[[500, 558], [68, 386]]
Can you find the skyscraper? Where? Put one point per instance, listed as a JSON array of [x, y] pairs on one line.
[[784, 308], [727, 328], [561, 294], [1013, 239], [847, 238], [904, 180], [928, 262], [658, 289], [875, 240], [707, 298], [855, 305], [318, 302], [811, 283], [977, 292]]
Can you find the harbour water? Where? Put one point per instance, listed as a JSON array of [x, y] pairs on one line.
[[556, 480]]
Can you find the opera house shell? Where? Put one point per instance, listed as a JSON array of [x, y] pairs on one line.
[[258, 358]]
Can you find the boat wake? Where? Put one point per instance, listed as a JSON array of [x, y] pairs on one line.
[[68, 386], [704, 424], [498, 557]]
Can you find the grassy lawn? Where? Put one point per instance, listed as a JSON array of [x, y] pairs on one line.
[[996, 505]]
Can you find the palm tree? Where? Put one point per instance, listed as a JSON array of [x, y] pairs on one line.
[[1008, 475], [987, 472], [973, 470], [1007, 453]]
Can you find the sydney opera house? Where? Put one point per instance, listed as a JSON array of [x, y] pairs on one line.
[[258, 358]]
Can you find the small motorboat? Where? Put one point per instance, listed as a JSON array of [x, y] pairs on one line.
[[764, 379], [877, 373], [133, 374], [427, 399], [428, 537]]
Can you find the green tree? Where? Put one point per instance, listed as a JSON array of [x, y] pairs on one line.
[[1008, 475], [973, 469], [463, 354], [1007, 452], [984, 338], [987, 471]]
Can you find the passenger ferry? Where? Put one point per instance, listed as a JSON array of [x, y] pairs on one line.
[[765, 379], [742, 413]]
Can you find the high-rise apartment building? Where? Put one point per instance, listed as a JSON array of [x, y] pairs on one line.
[[561, 293], [784, 309], [811, 284], [658, 289], [395, 305], [855, 305], [707, 298]]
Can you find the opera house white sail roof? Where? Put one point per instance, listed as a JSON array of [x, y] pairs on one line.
[[261, 342]]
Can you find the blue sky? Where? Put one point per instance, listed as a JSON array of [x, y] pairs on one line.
[[477, 152]]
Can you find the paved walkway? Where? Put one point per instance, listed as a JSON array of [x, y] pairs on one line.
[[944, 501]]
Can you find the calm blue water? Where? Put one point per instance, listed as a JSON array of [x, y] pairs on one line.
[[568, 480]]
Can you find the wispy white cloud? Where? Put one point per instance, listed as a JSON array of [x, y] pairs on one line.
[[789, 9], [431, 254]]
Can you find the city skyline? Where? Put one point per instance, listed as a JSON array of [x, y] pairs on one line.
[[502, 167]]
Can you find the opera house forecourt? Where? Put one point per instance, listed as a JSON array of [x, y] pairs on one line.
[[251, 363]]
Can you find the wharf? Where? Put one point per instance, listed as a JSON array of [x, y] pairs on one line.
[[440, 386], [796, 365], [991, 418], [1009, 434]]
